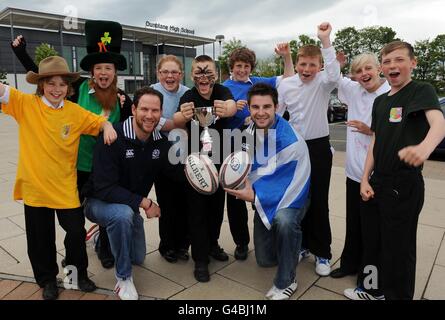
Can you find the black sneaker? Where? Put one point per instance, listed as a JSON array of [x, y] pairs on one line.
[[106, 257], [170, 256], [341, 273], [50, 291], [103, 249], [241, 252], [86, 285], [183, 254], [218, 253], [201, 273]]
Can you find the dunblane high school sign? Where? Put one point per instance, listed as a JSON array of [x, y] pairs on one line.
[[172, 28]]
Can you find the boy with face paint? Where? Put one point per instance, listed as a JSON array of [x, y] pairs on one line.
[[205, 211]]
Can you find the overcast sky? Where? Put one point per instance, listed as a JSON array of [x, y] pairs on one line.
[[258, 23]]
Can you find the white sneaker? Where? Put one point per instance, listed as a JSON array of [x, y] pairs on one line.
[[126, 290], [282, 294], [271, 292], [322, 266], [359, 294], [304, 253]]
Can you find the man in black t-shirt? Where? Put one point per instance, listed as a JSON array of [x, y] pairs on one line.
[[205, 211], [408, 124]]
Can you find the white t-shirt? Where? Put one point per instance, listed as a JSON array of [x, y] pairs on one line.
[[307, 104], [359, 102]]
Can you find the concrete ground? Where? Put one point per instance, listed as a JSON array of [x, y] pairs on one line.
[[232, 280]]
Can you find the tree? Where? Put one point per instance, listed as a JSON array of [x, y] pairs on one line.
[[223, 59], [268, 67], [353, 42], [431, 62], [3, 77], [43, 51], [373, 39], [438, 59], [2, 80], [425, 69], [347, 40], [302, 40]]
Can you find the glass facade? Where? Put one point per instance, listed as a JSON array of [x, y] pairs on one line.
[[80, 53], [148, 74], [67, 54], [187, 71]]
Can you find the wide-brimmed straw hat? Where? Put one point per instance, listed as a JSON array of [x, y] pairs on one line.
[[49, 67]]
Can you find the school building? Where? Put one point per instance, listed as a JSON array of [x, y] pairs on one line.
[[142, 46]]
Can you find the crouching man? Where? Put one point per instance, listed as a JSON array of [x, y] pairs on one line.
[[278, 185], [122, 177]]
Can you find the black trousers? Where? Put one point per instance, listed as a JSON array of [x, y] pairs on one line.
[[237, 212], [41, 241], [315, 225], [205, 216], [238, 217], [82, 178], [390, 231], [352, 252], [173, 228]]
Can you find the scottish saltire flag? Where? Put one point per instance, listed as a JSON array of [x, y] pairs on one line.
[[281, 170]]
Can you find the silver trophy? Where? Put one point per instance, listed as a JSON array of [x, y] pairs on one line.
[[205, 116]]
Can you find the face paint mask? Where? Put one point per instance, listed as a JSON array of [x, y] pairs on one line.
[[204, 73]]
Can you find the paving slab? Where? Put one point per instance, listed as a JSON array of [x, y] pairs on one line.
[[435, 289], [6, 286], [8, 229], [219, 288], [317, 293], [148, 283], [22, 292]]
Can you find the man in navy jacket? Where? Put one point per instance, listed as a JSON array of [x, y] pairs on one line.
[[122, 176]]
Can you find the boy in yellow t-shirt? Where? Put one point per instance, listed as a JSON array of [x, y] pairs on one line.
[[49, 133]]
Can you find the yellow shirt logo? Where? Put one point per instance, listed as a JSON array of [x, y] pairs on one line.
[[66, 129]]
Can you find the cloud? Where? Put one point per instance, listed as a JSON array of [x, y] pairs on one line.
[[259, 24]]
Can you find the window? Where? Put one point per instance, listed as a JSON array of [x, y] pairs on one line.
[[133, 63], [67, 54], [187, 71], [146, 68], [80, 53]]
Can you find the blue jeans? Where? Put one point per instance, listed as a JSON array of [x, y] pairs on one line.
[[281, 244], [125, 229]]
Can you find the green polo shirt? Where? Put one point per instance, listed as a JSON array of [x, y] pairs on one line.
[[89, 102]]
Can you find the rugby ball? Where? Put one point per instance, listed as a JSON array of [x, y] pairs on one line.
[[201, 173], [234, 170]]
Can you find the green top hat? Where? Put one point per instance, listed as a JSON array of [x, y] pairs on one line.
[[104, 40]]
